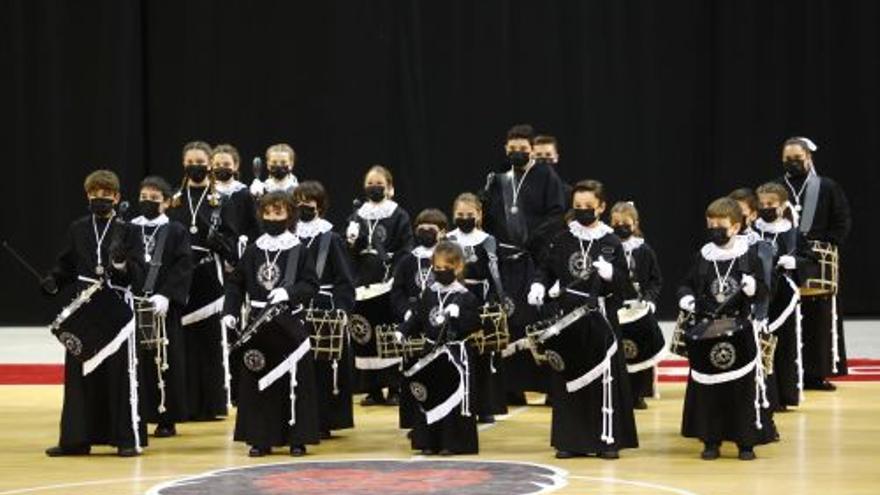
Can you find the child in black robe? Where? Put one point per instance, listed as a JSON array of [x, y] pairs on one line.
[[646, 281], [101, 407], [277, 403], [334, 378], [726, 280], [592, 414], [378, 235], [483, 278], [446, 314], [163, 366]]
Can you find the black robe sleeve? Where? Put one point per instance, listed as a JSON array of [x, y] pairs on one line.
[[64, 272], [304, 288], [177, 265], [133, 273], [343, 279], [235, 286], [841, 218], [649, 275], [402, 296]]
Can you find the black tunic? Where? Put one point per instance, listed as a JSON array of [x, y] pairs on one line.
[[336, 292], [725, 411], [374, 258], [205, 365], [239, 214], [456, 432], [263, 416], [97, 408], [577, 416], [647, 282], [173, 282]]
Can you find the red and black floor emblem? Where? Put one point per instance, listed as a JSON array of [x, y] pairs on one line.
[[388, 477]]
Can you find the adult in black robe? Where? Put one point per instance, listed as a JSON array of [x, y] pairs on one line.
[[163, 368], [589, 264], [264, 416], [822, 215], [100, 408]]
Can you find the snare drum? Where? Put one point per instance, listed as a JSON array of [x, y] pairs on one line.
[[391, 344], [150, 326], [494, 334], [327, 332], [677, 343], [826, 279]]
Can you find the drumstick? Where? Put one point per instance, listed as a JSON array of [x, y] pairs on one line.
[[30, 268]]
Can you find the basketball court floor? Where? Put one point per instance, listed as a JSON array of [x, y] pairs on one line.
[[830, 445]]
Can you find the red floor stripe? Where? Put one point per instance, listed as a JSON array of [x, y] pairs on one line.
[[31, 374]]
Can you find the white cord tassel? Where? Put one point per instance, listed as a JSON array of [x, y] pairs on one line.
[[161, 360], [760, 385], [133, 391], [607, 408], [292, 395], [835, 351], [799, 343], [335, 366], [466, 401], [227, 376]]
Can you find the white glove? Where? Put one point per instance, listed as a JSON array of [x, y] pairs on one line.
[[605, 269], [787, 261], [407, 315], [536, 294], [257, 187], [160, 304], [229, 321], [452, 310], [118, 266], [278, 295], [555, 290], [687, 303], [398, 336], [652, 307], [749, 286], [353, 231]]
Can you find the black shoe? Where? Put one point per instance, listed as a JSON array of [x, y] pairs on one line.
[[165, 431], [746, 454], [609, 454], [325, 435], [446, 452], [259, 451], [393, 399], [565, 454], [429, 452], [485, 419], [127, 452], [819, 384], [298, 450], [516, 398], [409, 435], [710, 452], [640, 404], [373, 400], [59, 451]]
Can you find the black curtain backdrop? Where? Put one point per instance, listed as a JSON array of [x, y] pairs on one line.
[[670, 103]]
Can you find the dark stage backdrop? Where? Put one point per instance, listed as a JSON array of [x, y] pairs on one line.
[[669, 103]]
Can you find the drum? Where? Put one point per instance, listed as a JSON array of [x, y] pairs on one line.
[[327, 332], [94, 325], [150, 326], [391, 343], [828, 269], [768, 342], [643, 343], [494, 334], [436, 382], [271, 338], [579, 346], [677, 344], [720, 346]]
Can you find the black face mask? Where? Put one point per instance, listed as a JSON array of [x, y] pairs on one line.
[[307, 213], [274, 227], [149, 209], [466, 225], [444, 277], [197, 173], [623, 231], [279, 173], [223, 174], [426, 237], [794, 167], [768, 215], [101, 206], [543, 160], [518, 159], [585, 216], [718, 235], [375, 193]]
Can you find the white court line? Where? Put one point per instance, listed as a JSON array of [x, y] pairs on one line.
[[89, 483], [504, 417], [640, 484]]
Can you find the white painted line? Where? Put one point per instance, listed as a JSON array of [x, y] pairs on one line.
[[641, 484]]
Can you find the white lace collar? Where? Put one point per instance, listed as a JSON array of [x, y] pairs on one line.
[[229, 188], [589, 233], [277, 243], [750, 236], [142, 221], [423, 252], [453, 287], [307, 230], [634, 242], [712, 252], [272, 184], [377, 211], [474, 238], [779, 226]]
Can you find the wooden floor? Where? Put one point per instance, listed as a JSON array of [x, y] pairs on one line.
[[831, 445]]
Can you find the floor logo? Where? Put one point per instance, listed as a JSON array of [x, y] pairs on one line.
[[388, 477]]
